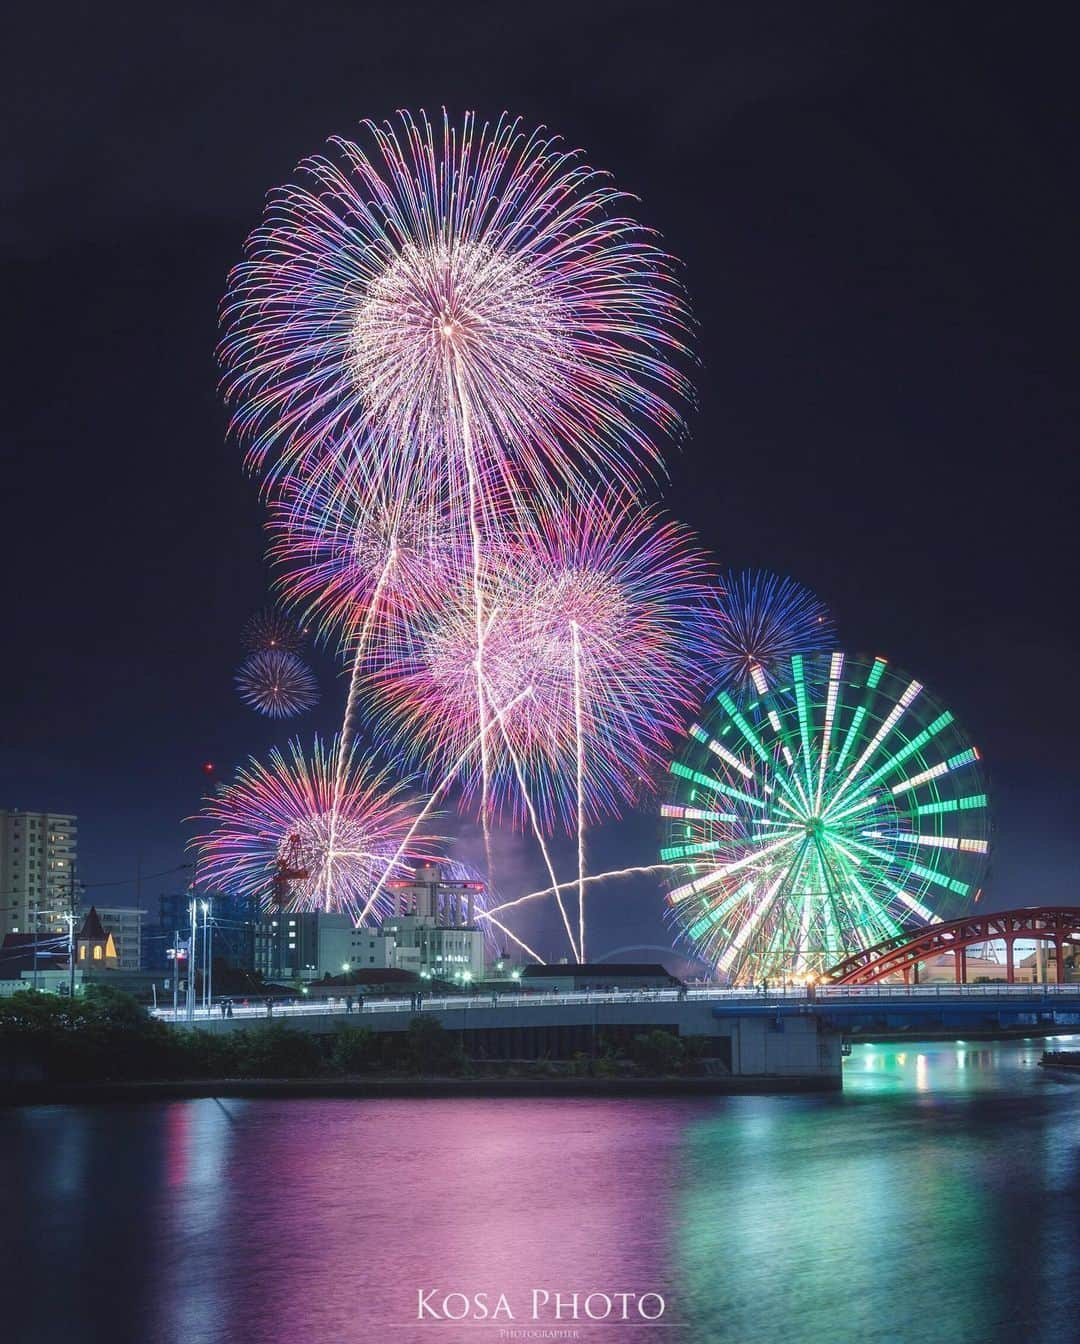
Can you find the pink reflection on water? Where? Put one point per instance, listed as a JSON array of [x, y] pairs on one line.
[[361, 1204]]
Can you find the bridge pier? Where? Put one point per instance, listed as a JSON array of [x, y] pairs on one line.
[[1010, 965]]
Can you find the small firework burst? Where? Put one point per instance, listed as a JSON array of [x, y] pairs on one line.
[[271, 630], [309, 832], [277, 684], [758, 621]]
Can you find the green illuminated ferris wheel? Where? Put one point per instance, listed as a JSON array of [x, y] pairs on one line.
[[820, 814]]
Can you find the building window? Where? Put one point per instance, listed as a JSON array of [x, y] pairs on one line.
[[98, 951], [82, 952]]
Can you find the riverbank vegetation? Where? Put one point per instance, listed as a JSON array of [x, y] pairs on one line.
[[106, 1036]]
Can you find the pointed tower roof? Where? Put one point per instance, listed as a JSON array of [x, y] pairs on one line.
[[92, 929]]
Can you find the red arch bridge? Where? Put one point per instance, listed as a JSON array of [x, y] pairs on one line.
[[1056, 926], [881, 985]]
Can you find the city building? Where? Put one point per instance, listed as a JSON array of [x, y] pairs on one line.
[[301, 944], [159, 932], [125, 923], [431, 932], [416, 943], [37, 870], [234, 920]]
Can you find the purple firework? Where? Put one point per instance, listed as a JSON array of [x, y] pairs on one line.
[[277, 684]]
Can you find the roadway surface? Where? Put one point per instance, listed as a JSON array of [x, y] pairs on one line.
[[1015, 998]]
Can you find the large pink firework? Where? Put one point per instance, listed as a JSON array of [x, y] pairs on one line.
[[427, 699], [356, 563], [460, 308], [592, 624], [614, 606], [292, 832]]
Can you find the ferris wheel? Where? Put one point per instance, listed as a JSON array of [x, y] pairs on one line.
[[837, 806]]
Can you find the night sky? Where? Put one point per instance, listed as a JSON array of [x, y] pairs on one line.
[[876, 208]]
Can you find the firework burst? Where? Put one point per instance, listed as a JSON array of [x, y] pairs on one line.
[[276, 684], [356, 563], [284, 834], [759, 621], [271, 629], [614, 598], [427, 702], [592, 620], [452, 302]]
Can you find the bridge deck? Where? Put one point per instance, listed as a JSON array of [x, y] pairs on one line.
[[736, 1002]]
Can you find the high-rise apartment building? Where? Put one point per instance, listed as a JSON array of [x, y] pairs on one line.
[[37, 866]]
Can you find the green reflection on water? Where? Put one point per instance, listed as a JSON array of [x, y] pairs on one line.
[[932, 1201]]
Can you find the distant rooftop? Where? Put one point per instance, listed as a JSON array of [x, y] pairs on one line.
[[601, 970]]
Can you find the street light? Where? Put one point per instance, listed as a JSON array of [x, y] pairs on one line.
[[208, 973], [466, 976]]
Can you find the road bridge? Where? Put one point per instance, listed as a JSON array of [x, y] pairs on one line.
[[755, 1047]]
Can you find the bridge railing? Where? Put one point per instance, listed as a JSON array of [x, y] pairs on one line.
[[525, 999]]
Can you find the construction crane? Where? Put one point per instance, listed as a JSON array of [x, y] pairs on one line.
[[290, 868]]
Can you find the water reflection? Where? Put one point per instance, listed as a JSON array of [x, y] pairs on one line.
[[932, 1201]]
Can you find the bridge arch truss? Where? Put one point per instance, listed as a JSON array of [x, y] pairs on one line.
[[901, 954]]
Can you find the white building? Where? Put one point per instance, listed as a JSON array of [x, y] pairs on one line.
[[431, 929], [422, 945], [125, 923], [370, 949], [37, 867]]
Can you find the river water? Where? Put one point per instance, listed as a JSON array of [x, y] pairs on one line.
[[937, 1199]]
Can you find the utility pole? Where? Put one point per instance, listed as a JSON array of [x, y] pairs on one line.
[[176, 975], [192, 958], [71, 931], [206, 951]]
